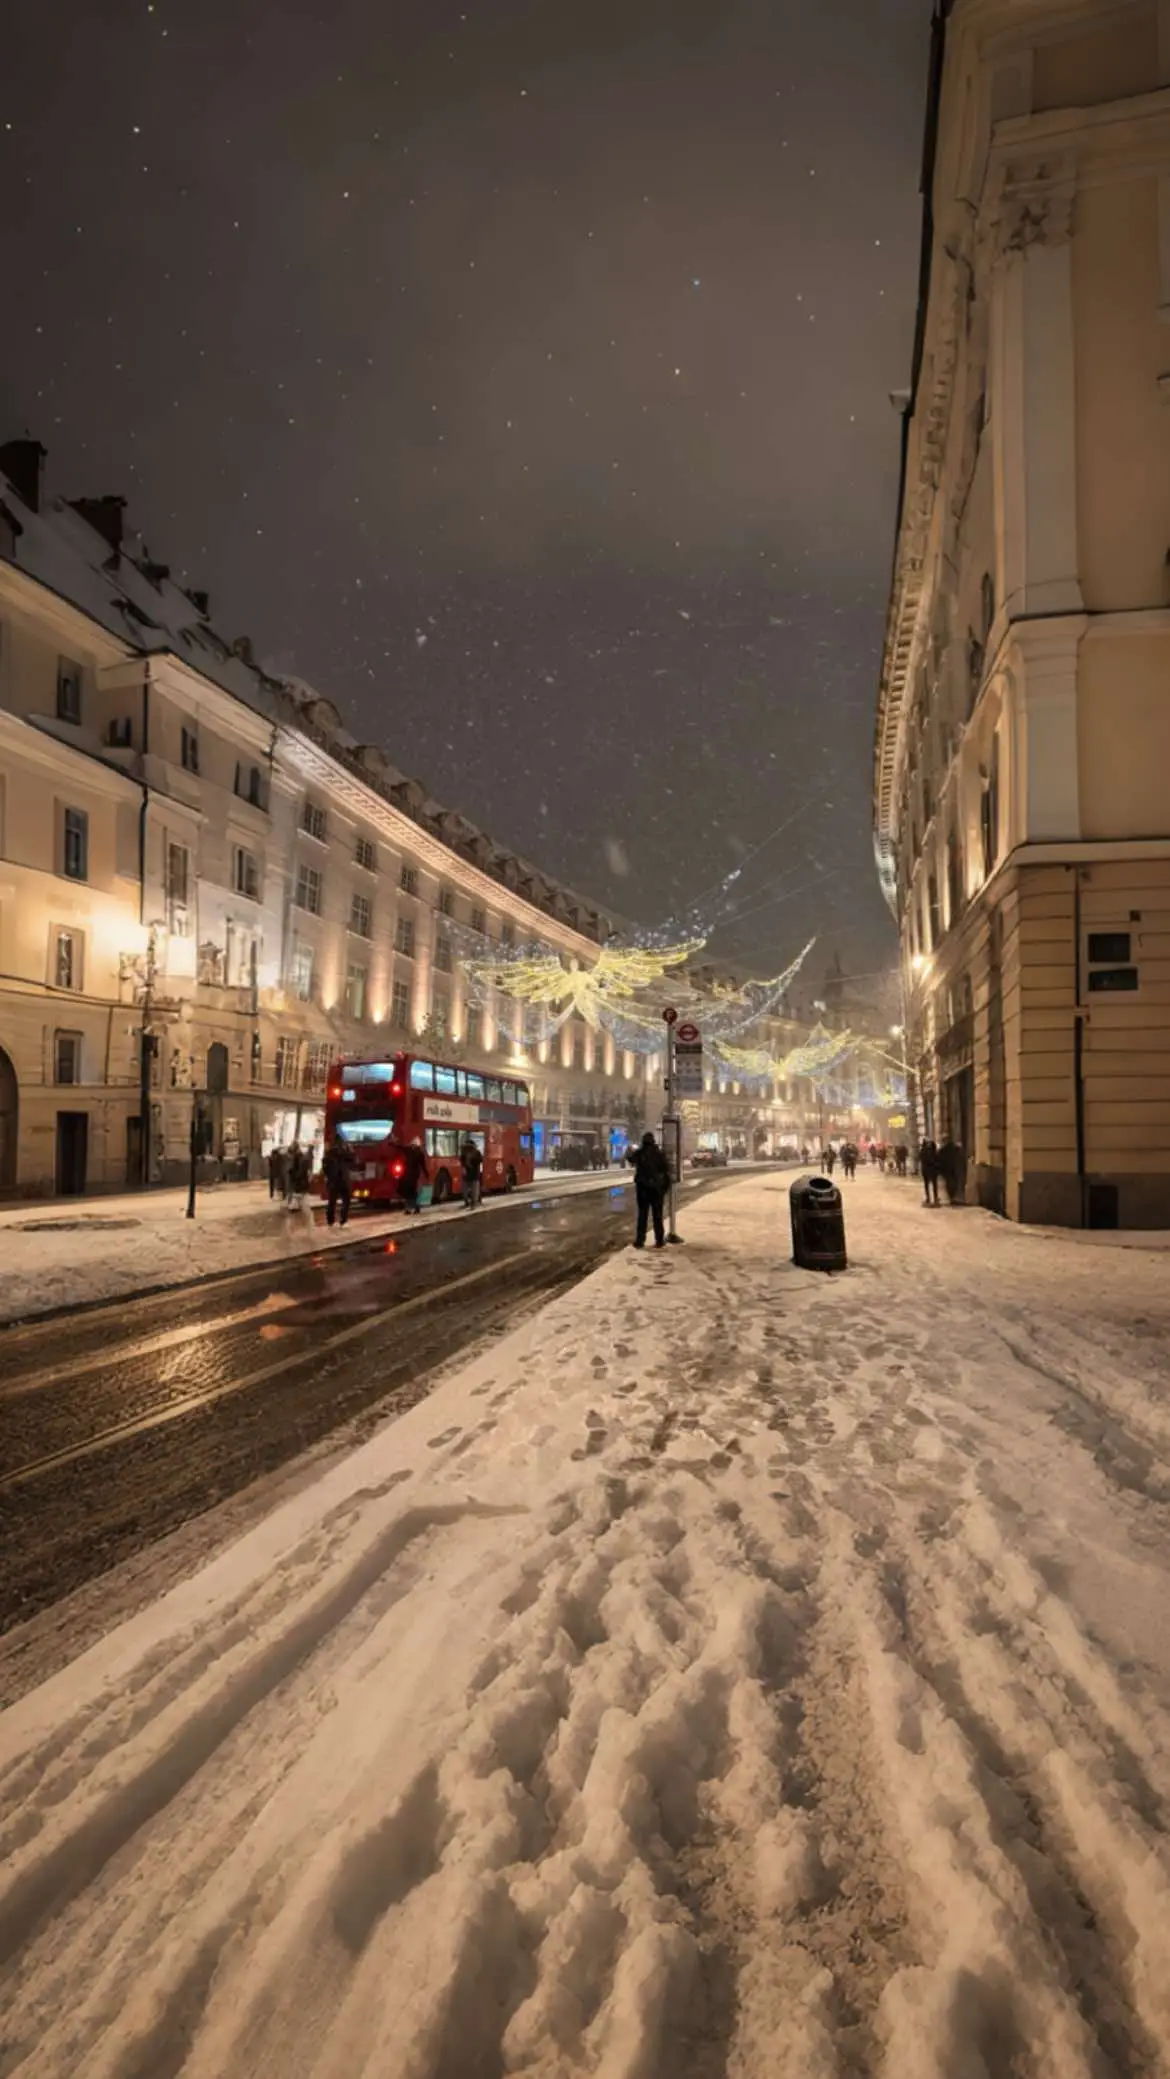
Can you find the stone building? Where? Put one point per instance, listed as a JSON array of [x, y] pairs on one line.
[[1022, 811], [204, 877]]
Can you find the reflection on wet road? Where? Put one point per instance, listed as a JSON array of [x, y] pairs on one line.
[[123, 1422]]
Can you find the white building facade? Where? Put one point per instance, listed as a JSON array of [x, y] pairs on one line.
[[1021, 807]]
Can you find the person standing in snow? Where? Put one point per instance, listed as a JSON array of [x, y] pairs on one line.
[[414, 1175], [472, 1159], [277, 1173], [652, 1181], [338, 1181], [830, 1159], [901, 1158], [952, 1168], [928, 1164]]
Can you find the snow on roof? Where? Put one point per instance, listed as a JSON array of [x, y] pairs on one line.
[[136, 600]]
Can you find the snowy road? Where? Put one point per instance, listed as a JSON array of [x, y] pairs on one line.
[[732, 1672]]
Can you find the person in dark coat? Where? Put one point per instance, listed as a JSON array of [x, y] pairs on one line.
[[338, 1172], [901, 1158], [277, 1173], [830, 1160], [928, 1164], [952, 1167], [471, 1157], [652, 1181], [414, 1175]]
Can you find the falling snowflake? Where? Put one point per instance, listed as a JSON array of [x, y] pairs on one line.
[[616, 857]]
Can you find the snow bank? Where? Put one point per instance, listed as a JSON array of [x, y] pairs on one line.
[[700, 1682]]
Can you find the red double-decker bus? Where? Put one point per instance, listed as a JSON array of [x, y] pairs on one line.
[[378, 1108]]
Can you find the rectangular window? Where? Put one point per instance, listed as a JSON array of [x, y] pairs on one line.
[[508, 1093], [356, 979], [245, 873], [189, 747], [1110, 965], [314, 821], [250, 786], [507, 934], [400, 1003], [365, 853], [408, 880], [446, 903], [442, 954], [178, 876], [440, 1022], [446, 1084], [361, 915], [68, 690], [67, 1057], [75, 845], [473, 1028], [317, 1055], [1112, 981], [309, 887], [422, 1075], [287, 1050], [479, 922], [492, 1089], [475, 1086], [67, 958], [302, 972], [404, 937], [1111, 947], [522, 1093]]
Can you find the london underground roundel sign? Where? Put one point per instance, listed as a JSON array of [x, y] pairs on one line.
[[687, 1035]]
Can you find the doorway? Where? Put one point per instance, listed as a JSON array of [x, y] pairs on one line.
[[9, 1122], [72, 1153]]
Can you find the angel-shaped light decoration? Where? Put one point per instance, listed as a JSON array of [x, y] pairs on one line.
[[606, 990]]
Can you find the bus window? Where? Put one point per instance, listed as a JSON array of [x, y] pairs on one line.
[[422, 1075], [474, 1085], [491, 1089], [368, 1072], [445, 1082], [522, 1093], [361, 1130], [443, 1140], [509, 1092]]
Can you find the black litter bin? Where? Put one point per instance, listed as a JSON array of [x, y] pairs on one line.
[[818, 1225]]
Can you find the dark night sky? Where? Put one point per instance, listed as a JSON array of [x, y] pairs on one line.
[[517, 373]]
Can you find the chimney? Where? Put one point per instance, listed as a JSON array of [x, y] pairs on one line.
[[242, 648], [201, 601], [22, 461], [105, 516]]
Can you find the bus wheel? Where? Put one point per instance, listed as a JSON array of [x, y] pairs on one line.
[[442, 1191], [510, 1180]]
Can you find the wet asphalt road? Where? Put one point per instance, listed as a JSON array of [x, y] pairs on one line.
[[120, 1423]]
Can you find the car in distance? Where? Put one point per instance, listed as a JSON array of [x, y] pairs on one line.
[[709, 1158]]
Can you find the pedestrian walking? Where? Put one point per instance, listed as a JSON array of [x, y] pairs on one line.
[[928, 1164], [471, 1157], [414, 1175], [291, 1172], [277, 1172], [652, 1181], [338, 1172], [830, 1159], [901, 1158]]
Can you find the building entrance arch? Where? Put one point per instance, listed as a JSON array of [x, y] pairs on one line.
[[9, 1122]]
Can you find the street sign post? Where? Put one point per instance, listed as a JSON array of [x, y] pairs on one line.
[[688, 1061], [671, 1124]]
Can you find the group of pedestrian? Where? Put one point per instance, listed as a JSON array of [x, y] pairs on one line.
[[290, 1173], [946, 1165]]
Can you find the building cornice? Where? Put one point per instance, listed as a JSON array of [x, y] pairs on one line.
[[369, 806], [30, 595], [45, 747]]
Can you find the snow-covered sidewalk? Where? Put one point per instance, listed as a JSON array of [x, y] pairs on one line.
[[66, 1253], [732, 1672]]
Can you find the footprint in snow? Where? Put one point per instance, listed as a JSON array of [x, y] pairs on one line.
[[445, 1436]]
